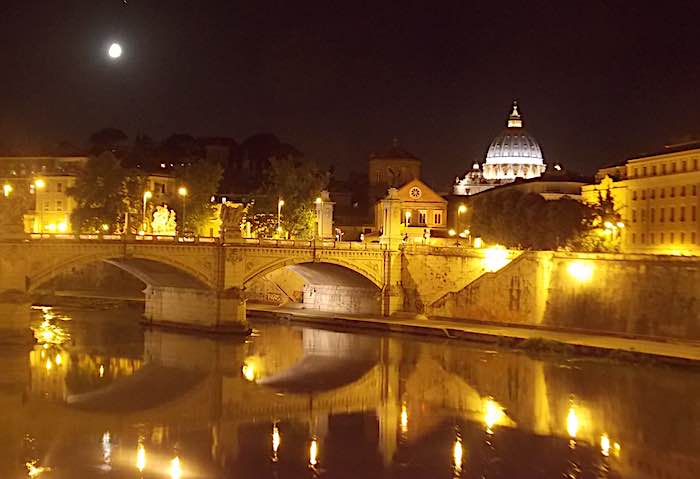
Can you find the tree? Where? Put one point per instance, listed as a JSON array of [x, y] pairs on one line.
[[107, 139], [201, 179], [104, 192], [298, 183]]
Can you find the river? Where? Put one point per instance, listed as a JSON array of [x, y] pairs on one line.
[[100, 396]]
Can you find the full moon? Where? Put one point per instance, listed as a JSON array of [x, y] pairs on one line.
[[115, 50]]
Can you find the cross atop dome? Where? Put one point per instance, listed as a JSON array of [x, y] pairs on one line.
[[514, 120]]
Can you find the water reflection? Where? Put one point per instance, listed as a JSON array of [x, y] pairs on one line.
[[342, 401]]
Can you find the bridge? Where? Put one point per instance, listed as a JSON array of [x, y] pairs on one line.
[[201, 283]]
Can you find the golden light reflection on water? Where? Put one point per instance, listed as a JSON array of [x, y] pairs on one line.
[[276, 441], [175, 470], [572, 423], [35, 471], [313, 452], [493, 414], [140, 456], [457, 456], [404, 418]]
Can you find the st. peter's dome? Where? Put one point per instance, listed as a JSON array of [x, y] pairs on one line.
[[514, 153]]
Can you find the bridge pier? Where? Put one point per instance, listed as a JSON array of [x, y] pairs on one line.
[[197, 309]]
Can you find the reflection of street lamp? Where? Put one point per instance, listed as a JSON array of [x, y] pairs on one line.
[[280, 204], [182, 191], [146, 196], [40, 184], [6, 189]]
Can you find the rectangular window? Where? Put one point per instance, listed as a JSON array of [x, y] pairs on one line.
[[651, 215], [47, 205], [421, 217], [662, 193], [682, 213], [682, 238], [634, 238], [663, 169], [644, 171], [695, 190], [634, 195], [653, 170], [672, 214], [438, 217], [693, 216], [661, 215], [59, 187], [695, 164], [644, 194], [684, 166], [661, 238], [670, 240], [634, 216], [636, 172], [692, 237], [59, 205], [673, 192], [643, 238], [651, 238], [652, 193], [683, 190], [673, 167], [644, 215]]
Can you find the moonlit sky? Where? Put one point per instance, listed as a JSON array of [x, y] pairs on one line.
[[596, 83]]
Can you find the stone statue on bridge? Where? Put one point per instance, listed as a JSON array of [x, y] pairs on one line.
[[232, 220]]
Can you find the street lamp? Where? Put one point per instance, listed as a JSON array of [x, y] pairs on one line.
[[6, 189], [280, 204], [462, 209], [319, 216], [147, 195], [182, 191], [408, 218], [40, 184]]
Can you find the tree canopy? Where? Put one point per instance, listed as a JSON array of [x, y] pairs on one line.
[[516, 219]]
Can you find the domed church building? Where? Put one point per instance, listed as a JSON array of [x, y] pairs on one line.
[[514, 153]]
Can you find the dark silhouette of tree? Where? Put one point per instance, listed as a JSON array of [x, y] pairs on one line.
[[108, 139], [180, 150], [256, 153]]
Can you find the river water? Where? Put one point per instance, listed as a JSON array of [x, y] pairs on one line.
[[100, 396]]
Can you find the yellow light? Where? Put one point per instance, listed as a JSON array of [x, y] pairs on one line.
[[313, 452], [605, 445], [33, 470], [147, 195], [462, 209], [572, 423], [182, 191], [175, 468], [478, 243], [142, 233], [408, 214], [404, 418], [493, 414], [102, 371], [452, 232], [51, 227], [249, 369], [62, 227], [39, 184], [457, 454], [582, 272], [140, 457], [105, 227], [495, 258], [620, 224], [48, 365], [6, 189], [280, 203], [319, 200], [276, 439], [58, 359], [616, 447], [608, 225]]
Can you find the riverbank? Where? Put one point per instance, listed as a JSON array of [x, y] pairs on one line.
[[532, 339]]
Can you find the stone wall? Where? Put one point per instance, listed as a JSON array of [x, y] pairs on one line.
[[342, 299], [279, 287], [633, 295]]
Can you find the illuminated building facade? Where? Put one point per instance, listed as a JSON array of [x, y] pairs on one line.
[[514, 153], [657, 197]]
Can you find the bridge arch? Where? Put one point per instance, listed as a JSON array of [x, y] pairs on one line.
[[329, 284], [153, 270]]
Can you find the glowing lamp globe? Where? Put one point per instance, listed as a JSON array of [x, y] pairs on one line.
[[115, 50]]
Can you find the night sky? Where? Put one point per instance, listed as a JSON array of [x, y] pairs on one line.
[[596, 82]]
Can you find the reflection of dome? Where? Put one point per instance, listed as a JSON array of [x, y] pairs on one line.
[[514, 152]]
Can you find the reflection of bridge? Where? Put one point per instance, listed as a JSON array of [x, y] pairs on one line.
[[202, 284], [408, 389]]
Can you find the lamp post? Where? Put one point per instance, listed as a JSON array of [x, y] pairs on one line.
[[40, 184], [319, 217], [462, 209], [146, 196], [280, 204], [182, 191]]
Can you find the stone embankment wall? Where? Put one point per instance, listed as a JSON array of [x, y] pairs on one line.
[[633, 295]]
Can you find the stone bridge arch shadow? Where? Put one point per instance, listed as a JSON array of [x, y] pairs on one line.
[[328, 285]]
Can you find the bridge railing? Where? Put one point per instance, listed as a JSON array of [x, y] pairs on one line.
[[270, 242]]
